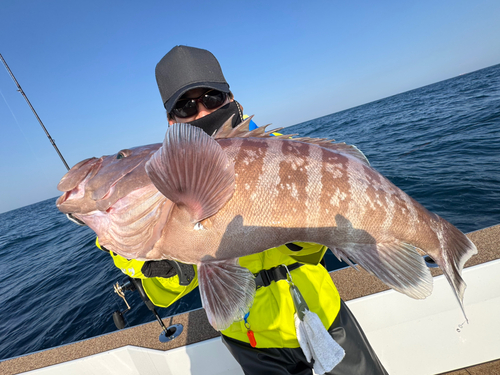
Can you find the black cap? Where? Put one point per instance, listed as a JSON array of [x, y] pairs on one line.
[[184, 68]]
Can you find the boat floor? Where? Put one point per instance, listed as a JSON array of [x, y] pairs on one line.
[[488, 368]]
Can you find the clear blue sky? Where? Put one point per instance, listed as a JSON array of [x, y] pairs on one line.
[[88, 67]]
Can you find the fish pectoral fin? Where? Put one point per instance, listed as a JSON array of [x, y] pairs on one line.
[[227, 291], [396, 263], [192, 170]]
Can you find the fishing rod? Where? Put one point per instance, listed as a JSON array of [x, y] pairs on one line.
[[34, 112]]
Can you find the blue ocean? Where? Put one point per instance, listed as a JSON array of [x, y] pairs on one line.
[[439, 143]]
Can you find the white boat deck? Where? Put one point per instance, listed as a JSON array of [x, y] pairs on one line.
[[431, 336]]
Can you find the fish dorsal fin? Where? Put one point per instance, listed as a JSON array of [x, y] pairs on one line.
[[193, 171], [225, 129], [242, 131], [350, 150], [339, 147]]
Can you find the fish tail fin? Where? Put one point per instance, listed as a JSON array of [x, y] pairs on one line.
[[457, 250], [227, 291]]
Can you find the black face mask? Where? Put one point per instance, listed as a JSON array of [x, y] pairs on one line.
[[212, 122]]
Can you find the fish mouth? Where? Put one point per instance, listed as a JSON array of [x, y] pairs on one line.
[[74, 190], [63, 198]]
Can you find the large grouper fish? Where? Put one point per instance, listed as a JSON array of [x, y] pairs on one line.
[[209, 200]]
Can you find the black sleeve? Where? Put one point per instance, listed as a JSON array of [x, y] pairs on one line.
[[158, 268], [293, 246], [169, 268]]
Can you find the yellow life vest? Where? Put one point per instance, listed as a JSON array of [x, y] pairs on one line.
[[161, 291], [271, 316]]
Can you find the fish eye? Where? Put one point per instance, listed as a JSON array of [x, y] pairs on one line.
[[123, 154]]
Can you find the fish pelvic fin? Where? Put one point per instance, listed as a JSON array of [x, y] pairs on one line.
[[397, 264], [457, 250], [193, 171], [227, 291]]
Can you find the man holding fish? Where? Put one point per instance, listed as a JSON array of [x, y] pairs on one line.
[[242, 213], [195, 91]]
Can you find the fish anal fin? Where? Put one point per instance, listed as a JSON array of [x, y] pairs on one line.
[[397, 264], [227, 291], [193, 171], [342, 257]]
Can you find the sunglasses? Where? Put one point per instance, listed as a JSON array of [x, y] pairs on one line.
[[211, 99]]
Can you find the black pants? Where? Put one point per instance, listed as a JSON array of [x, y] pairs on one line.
[[360, 359]]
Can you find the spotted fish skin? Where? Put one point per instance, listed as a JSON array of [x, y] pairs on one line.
[[243, 192], [289, 186]]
